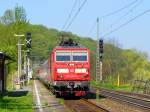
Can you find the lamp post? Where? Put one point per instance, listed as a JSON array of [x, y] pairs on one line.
[[19, 56]]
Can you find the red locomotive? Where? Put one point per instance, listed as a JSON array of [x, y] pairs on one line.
[[67, 71]]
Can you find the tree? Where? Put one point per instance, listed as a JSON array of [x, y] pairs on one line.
[[8, 17], [112, 61], [21, 21], [17, 14]]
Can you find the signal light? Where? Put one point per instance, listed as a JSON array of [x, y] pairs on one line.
[[28, 40], [101, 49], [101, 46]]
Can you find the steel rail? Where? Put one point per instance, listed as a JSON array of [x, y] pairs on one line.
[[98, 106], [126, 98], [83, 105]]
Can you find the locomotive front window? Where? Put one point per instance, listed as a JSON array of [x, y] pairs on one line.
[[63, 56], [71, 56], [80, 56]]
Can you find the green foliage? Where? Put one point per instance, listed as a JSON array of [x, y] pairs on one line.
[[16, 104], [12, 22], [129, 64], [112, 86], [137, 64]]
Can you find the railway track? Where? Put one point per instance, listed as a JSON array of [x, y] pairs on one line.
[[143, 96], [122, 97], [83, 105], [138, 95]]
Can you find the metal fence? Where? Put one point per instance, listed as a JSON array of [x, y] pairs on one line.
[[141, 86]]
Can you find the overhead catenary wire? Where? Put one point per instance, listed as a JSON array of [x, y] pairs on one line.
[[122, 17], [113, 13], [118, 10], [127, 13], [127, 22], [70, 14], [74, 17]]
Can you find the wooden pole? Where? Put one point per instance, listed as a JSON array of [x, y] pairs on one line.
[[118, 83]]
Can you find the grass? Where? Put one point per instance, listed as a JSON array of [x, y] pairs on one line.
[[126, 87], [16, 103], [61, 101]]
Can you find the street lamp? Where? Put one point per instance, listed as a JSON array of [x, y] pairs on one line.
[[19, 56]]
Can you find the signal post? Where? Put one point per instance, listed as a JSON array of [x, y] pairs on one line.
[[99, 56], [99, 64], [19, 59], [28, 46]]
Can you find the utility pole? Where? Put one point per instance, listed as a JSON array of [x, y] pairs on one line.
[[28, 66], [99, 53], [19, 56], [25, 62], [101, 75], [98, 64]]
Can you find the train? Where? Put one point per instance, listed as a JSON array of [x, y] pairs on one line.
[[67, 70]]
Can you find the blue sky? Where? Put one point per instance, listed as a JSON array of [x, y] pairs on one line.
[[53, 14]]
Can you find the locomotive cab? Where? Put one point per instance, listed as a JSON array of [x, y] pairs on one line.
[[67, 71], [71, 69]]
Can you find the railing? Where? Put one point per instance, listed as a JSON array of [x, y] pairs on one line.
[[141, 86]]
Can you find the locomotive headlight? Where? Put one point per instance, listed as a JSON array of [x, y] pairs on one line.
[[62, 70], [60, 76], [82, 70]]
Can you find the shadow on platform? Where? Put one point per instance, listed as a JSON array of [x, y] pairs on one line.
[[17, 93]]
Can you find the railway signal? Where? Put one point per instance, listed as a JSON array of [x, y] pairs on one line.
[[28, 40], [28, 45], [99, 54], [101, 46], [101, 49]]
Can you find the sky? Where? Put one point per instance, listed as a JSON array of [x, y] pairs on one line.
[[54, 13]]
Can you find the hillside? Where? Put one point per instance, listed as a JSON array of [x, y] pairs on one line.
[[129, 64]]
